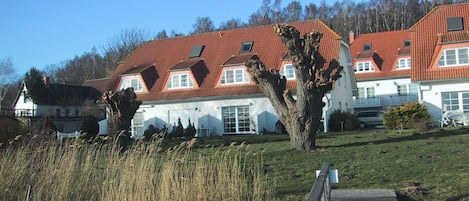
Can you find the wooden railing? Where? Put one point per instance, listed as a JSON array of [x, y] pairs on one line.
[[321, 190]]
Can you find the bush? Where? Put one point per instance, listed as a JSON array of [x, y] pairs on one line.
[[410, 115], [349, 120], [90, 126]]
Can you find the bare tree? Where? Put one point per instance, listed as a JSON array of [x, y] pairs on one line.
[[293, 11], [161, 35], [7, 71], [121, 46], [89, 65], [301, 116], [203, 25], [123, 105], [232, 24]]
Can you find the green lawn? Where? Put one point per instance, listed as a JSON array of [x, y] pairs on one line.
[[432, 165]]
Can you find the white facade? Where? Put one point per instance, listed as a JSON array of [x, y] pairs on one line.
[[444, 96], [209, 114], [385, 93]]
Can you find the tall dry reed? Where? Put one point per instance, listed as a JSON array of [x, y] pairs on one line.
[[96, 172]]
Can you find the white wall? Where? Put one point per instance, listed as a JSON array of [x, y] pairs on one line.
[[431, 95]]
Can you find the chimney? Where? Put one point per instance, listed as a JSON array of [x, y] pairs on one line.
[[351, 37]]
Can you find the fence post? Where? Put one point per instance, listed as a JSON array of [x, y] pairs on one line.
[[321, 190]]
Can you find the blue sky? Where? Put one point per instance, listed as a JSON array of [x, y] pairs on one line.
[[44, 32]]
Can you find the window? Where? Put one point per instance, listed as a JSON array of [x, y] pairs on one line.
[[364, 67], [180, 81], [406, 43], [455, 101], [246, 47], [134, 83], [137, 125], [234, 76], [366, 92], [407, 89], [288, 71], [403, 63], [454, 57], [367, 47], [236, 119], [196, 51], [455, 24]]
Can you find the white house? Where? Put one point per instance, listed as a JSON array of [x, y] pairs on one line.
[[63, 104], [202, 78], [382, 66], [440, 59]]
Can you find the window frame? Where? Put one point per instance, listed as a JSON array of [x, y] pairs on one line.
[[407, 63], [230, 76], [363, 68], [128, 82], [286, 71], [456, 57], [236, 119], [188, 84]]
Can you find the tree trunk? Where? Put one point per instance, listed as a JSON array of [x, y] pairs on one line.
[[123, 105], [301, 115]]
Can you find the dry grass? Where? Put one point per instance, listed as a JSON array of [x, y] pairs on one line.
[[96, 172]]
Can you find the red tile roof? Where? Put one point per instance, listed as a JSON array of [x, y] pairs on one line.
[[425, 36], [220, 48], [386, 47]]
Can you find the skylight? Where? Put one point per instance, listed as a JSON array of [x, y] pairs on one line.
[[455, 23], [196, 51], [246, 47]]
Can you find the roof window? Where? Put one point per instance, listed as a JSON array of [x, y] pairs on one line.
[[367, 47], [455, 24], [196, 51], [407, 43], [246, 47]]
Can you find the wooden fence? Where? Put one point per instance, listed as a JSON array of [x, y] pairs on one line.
[[321, 190]]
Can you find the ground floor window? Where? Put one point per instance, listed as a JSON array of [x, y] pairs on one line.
[[137, 124], [236, 119], [455, 101]]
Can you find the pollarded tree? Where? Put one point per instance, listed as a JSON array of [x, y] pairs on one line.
[[301, 115]]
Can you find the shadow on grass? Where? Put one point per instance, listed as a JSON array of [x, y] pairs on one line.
[[458, 197], [417, 136]]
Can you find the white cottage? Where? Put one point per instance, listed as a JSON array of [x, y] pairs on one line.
[[202, 78], [440, 59]]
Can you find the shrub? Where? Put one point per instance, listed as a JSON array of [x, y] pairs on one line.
[[410, 115], [90, 126], [349, 120]]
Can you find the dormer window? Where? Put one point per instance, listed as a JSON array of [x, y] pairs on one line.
[[132, 82], [234, 76], [180, 81], [403, 63], [455, 24], [246, 47], [364, 67], [454, 57], [367, 47], [288, 71]]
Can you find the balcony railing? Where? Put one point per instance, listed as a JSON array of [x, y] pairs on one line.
[[367, 102], [401, 100]]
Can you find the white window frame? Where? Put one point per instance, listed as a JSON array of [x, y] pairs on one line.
[[137, 125], [234, 76], [180, 81], [455, 101], [288, 70], [236, 119], [364, 66], [403, 63], [407, 89], [132, 82], [449, 60], [368, 92]]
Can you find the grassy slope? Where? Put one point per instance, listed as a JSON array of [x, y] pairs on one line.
[[431, 165]]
